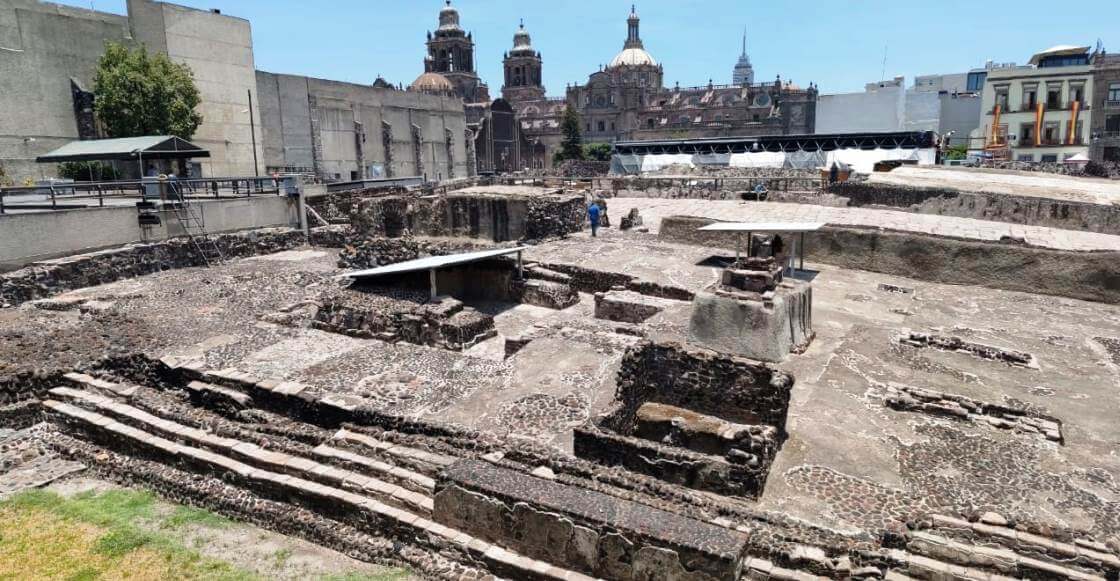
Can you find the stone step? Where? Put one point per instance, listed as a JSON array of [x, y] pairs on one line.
[[762, 570], [1091, 554], [366, 513], [250, 453], [428, 463], [99, 385], [407, 478], [1005, 561], [219, 396]]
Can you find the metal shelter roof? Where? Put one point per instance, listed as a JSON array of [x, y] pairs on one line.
[[431, 263], [763, 227], [148, 147]]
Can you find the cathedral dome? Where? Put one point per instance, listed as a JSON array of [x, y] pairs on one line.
[[449, 18], [632, 57], [431, 83], [521, 41]]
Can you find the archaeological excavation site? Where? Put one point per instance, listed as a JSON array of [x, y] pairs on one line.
[[897, 377]]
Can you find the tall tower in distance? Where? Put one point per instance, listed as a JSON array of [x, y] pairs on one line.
[[522, 70], [451, 54], [743, 73]]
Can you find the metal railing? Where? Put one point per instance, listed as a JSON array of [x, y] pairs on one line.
[[76, 195]]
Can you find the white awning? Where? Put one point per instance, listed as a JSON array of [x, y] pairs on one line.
[[763, 227], [431, 263]]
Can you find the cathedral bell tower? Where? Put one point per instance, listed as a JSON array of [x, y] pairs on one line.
[[522, 70]]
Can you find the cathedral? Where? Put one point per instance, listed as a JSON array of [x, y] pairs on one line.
[[626, 100]]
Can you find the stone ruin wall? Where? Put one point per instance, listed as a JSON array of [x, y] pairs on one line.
[[1090, 276], [1029, 210], [50, 277], [589, 532], [675, 402], [487, 217]]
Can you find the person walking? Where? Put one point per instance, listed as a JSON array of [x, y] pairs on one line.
[[833, 173], [593, 216]]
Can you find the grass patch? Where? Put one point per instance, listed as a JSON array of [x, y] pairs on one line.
[[96, 535], [189, 515]]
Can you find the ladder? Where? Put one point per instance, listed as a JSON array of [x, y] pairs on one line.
[[190, 218]]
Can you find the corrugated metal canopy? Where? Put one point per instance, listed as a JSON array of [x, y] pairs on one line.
[[148, 147], [763, 227], [431, 263]]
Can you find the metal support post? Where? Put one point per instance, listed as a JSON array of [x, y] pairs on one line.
[[432, 279]]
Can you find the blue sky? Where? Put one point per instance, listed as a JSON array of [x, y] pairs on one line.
[[839, 44]]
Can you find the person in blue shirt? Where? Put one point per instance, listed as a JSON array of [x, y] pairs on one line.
[[593, 215]]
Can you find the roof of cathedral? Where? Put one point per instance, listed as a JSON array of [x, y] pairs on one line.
[[521, 41], [633, 57], [431, 83]]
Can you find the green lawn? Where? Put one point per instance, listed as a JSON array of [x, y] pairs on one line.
[[116, 534]]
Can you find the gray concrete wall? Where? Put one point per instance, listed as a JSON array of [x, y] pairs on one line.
[[960, 114], [294, 108], [43, 46], [879, 110], [25, 238], [219, 50]]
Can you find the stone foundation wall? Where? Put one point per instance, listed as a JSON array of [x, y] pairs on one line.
[[728, 387], [337, 208], [738, 472], [1031, 210], [764, 327], [586, 280], [488, 217], [447, 323], [50, 277], [1091, 276], [581, 529], [626, 306]]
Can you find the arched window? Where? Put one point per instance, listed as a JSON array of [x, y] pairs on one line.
[[602, 127]]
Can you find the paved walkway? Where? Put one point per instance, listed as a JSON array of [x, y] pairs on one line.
[[653, 210]]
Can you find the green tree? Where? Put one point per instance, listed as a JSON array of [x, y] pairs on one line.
[[572, 145], [597, 151], [957, 152], [137, 93], [87, 171]]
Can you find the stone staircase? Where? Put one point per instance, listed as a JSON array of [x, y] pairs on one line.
[[368, 481], [368, 493]]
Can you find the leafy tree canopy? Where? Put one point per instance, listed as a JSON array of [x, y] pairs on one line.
[[597, 151], [137, 94]]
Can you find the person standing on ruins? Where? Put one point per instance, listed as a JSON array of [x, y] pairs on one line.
[[593, 216]]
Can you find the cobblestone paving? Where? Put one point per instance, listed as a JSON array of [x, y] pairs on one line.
[[653, 210]]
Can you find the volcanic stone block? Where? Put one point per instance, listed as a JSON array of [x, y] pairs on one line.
[[626, 306], [703, 433], [752, 280], [745, 476], [767, 329], [733, 388], [582, 529]]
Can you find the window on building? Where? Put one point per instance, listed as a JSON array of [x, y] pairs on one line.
[[755, 117], [649, 123], [1077, 133], [602, 127], [1077, 94], [1051, 132], [588, 126], [1064, 61], [1114, 92], [1050, 158], [1030, 97], [1025, 157], [612, 126], [1112, 154], [1112, 124], [1026, 135], [975, 82], [1002, 97], [1053, 97]]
